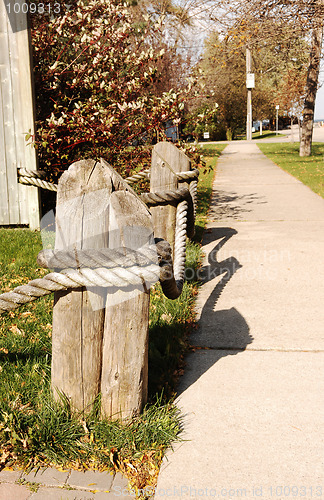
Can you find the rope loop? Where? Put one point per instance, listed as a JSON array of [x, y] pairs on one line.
[[165, 197]]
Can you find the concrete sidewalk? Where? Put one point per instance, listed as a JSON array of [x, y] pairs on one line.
[[253, 390]]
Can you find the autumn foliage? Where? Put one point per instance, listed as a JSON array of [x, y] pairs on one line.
[[94, 77]]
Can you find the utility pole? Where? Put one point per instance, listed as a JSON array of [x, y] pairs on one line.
[[249, 86]]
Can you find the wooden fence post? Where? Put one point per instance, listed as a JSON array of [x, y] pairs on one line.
[[167, 161], [125, 345], [98, 345]]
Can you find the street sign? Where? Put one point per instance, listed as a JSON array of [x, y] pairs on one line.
[[250, 81]]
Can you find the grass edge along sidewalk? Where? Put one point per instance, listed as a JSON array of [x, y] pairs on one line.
[[309, 170], [35, 430]]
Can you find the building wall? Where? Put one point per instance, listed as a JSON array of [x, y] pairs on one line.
[[18, 204]]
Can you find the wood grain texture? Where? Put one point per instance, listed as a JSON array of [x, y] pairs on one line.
[[100, 337], [19, 204], [78, 316], [125, 344], [167, 160]]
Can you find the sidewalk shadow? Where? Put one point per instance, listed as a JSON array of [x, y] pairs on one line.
[[233, 205], [222, 332]]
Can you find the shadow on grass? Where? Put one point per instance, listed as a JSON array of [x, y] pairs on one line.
[[210, 151]]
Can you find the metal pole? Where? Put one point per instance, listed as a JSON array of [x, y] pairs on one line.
[[277, 108], [249, 99]]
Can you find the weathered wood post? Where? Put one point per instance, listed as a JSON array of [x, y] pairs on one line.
[[100, 339], [167, 161], [125, 345]]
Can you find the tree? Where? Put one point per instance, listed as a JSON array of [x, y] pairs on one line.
[[311, 90], [298, 17], [204, 119], [223, 68], [291, 93], [259, 21], [280, 77]]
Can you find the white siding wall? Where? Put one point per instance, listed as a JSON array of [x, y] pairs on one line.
[[18, 204]]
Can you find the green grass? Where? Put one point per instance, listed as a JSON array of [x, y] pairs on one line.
[[309, 170], [266, 134], [35, 430]]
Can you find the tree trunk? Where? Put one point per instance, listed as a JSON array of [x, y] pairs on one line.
[[311, 90], [229, 134]]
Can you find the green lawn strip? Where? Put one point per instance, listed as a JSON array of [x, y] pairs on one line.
[[309, 170], [34, 429], [265, 135], [256, 135]]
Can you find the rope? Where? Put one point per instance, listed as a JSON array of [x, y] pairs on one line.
[[181, 176], [33, 178], [180, 241], [113, 276], [123, 267], [107, 257], [165, 197], [120, 267], [145, 174], [172, 275], [25, 172], [189, 175], [193, 191]]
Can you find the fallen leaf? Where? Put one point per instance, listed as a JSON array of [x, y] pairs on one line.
[[15, 329]]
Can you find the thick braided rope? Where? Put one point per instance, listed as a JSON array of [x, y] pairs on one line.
[[189, 175], [171, 280], [171, 277], [145, 174], [172, 286], [26, 172], [172, 274], [174, 196], [165, 197], [180, 242], [193, 191], [33, 178], [76, 278], [106, 257]]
